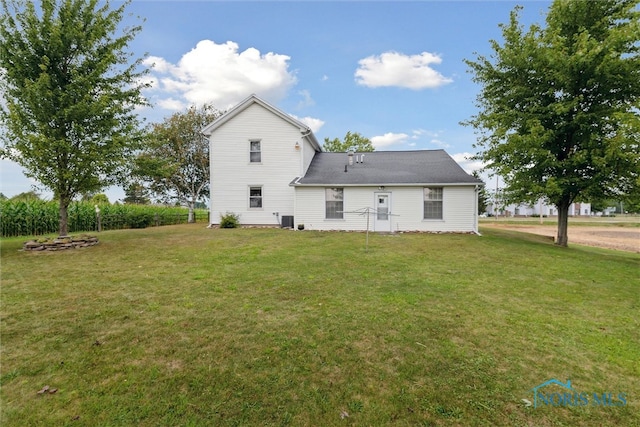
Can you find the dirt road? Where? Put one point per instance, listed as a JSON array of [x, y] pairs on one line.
[[610, 237]]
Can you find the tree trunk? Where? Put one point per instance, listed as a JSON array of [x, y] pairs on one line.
[[63, 225], [562, 239], [191, 218]]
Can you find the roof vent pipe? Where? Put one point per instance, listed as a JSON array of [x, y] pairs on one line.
[[362, 159], [350, 156]]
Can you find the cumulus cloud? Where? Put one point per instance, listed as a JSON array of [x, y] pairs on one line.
[[388, 139], [314, 124], [396, 69], [219, 74]]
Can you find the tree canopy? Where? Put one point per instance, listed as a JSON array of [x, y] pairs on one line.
[[136, 194], [559, 105], [351, 142], [70, 90], [175, 160]]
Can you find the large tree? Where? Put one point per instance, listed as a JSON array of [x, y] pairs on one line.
[[351, 142], [70, 89], [559, 105], [136, 194], [175, 160]]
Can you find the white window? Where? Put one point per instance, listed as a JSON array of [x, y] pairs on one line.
[[334, 203], [255, 197], [433, 203], [255, 153]]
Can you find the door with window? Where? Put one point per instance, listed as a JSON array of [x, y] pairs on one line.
[[382, 214]]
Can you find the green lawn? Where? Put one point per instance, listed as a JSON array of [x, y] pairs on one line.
[[182, 325]]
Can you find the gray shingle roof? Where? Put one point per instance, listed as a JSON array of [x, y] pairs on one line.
[[386, 167]]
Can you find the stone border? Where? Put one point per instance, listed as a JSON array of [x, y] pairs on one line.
[[60, 243]]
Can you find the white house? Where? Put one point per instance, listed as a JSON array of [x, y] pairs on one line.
[[269, 168]]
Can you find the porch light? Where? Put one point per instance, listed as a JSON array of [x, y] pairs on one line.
[[297, 146]]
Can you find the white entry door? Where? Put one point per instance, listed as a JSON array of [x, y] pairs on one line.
[[382, 215]]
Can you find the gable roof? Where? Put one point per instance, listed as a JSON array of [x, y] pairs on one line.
[[386, 168], [254, 99]]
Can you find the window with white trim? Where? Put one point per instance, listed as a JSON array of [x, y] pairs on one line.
[[432, 203], [334, 203], [255, 152], [255, 197]]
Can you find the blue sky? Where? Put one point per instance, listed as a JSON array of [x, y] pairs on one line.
[[392, 71]]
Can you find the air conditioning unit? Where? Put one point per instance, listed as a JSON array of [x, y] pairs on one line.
[[287, 221]]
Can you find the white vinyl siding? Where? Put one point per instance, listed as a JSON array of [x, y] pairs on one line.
[[407, 205], [232, 173]]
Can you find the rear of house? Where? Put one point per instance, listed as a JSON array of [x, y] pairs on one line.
[[387, 191], [268, 168]]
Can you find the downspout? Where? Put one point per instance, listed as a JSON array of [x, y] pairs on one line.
[[210, 183], [475, 211]]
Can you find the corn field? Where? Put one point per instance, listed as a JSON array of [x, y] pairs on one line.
[[38, 217]]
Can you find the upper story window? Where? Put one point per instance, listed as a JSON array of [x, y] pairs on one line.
[[255, 153], [433, 203], [334, 203]]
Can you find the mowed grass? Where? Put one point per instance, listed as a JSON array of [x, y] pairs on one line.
[[182, 325]]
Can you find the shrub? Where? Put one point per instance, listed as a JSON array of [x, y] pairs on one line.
[[229, 220]]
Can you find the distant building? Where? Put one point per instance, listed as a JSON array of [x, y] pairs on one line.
[[536, 209]]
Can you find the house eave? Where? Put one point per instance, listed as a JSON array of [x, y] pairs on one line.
[[296, 183]]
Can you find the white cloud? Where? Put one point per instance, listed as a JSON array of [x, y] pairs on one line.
[[307, 100], [417, 133], [466, 163], [219, 74], [388, 139], [314, 124], [158, 64], [172, 104], [440, 143], [396, 69]]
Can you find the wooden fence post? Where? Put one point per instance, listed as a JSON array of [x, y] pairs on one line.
[[98, 219]]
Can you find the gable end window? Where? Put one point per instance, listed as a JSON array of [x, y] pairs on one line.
[[255, 152], [334, 203], [255, 197], [433, 203]]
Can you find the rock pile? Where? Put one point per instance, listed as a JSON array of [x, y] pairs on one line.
[[60, 243]]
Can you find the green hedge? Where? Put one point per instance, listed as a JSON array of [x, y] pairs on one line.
[[37, 217]]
